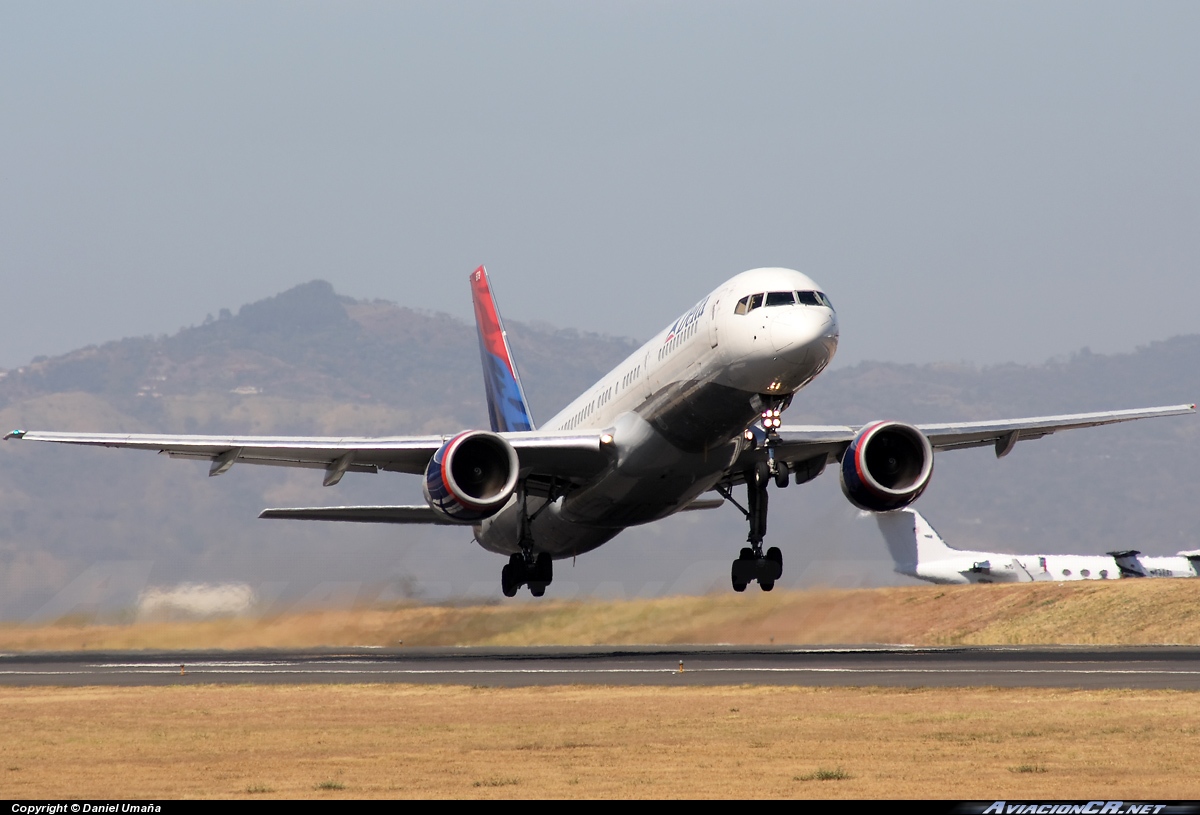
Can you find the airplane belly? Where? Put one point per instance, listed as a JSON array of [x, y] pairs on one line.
[[697, 416], [550, 531], [652, 477]]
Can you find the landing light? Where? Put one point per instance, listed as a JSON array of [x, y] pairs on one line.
[[770, 418], [606, 438]]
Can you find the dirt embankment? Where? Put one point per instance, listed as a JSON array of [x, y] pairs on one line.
[[1126, 612]]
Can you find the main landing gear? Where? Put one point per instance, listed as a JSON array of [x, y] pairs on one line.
[[525, 568], [753, 564]]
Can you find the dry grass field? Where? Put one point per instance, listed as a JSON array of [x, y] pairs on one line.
[[417, 742], [1121, 612]]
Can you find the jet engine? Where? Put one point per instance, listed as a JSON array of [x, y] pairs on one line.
[[471, 476], [887, 466]]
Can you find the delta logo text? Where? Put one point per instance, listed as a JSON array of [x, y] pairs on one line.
[[680, 325]]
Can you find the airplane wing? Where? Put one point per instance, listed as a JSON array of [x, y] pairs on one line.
[[542, 455], [819, 444], [545, 456]]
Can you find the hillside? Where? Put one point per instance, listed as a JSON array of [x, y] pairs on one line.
[[85, 529]]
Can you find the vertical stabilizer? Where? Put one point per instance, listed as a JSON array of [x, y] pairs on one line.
[[911, 540], [507, 406]]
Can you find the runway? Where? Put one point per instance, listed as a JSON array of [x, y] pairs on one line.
[[890, 666]]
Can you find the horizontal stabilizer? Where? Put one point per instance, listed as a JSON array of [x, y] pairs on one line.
[[420, 514]]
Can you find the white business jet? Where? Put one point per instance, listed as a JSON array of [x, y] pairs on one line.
[[687, 418], [918, 551]]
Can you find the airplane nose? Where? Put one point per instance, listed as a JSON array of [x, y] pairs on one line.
[[803, 332]]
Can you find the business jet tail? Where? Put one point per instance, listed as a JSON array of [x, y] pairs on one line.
[[911, 540], [507, 406]]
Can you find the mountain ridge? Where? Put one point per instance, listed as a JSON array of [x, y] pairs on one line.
[[312, 362]]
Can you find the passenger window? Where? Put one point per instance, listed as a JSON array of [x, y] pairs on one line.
[[781, 298]]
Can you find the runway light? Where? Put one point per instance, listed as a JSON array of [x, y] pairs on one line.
[[681, 666]]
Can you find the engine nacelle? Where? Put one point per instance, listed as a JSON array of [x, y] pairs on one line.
[[887, 466], [471, 476]]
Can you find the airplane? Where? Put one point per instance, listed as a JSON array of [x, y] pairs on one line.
[[691, 415], [918, 551]]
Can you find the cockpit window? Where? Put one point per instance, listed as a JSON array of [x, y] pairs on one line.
[[813, 298], [752, 301]]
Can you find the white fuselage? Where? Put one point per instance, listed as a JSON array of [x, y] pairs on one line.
[[997, 567], [678, 407], [918, 551]]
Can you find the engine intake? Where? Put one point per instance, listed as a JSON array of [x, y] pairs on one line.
[[886, 467], [471, 476]]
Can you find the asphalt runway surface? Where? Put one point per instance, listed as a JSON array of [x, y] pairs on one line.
[[889, 666]]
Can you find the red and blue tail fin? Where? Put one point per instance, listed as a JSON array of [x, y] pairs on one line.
[[507, 406]]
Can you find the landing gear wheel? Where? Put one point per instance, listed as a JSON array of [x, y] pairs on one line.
[[746, 554], [508, 582], [738, 585], [543, 569], [781, 476], [539, 574], [771, 569]]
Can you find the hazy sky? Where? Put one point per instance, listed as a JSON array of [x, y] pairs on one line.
[[968, 181]]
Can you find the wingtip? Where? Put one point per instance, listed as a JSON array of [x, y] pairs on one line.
[[15, 434]]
